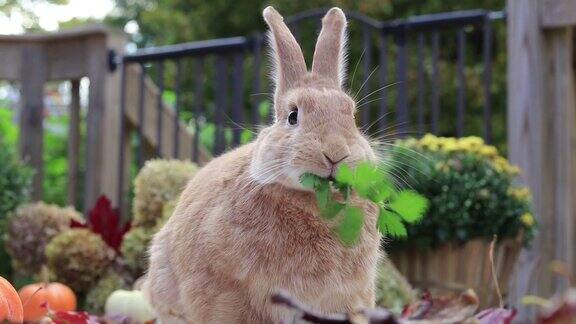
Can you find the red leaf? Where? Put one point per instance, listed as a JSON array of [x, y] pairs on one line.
[[105, 220], [73, 318], [77, 224]]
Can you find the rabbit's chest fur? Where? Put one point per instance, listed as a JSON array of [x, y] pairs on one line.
[[245, 243]]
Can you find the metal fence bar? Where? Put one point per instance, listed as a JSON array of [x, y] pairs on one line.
[[257, 52], [141, 117], [435, 82], [177, 108], [198, 96], [420, 81], [237, 97], [366, 74], [295, 29], [402, 117], [382, 93], [221, 103], [213, 46], [160, 114], [461, 104], [487, 58]]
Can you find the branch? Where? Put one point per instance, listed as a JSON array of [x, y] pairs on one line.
[[374, 316]]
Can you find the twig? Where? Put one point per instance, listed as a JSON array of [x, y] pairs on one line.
[[374, 316], [493, 269]]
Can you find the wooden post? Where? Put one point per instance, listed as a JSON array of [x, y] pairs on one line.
[[33, 77], [112, 136], [542, 138], [74, 143], [560, 92], [97, 69]]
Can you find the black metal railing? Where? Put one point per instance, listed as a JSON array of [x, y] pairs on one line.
[[419, 66]]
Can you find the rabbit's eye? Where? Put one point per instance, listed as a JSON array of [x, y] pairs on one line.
[[293, 117]]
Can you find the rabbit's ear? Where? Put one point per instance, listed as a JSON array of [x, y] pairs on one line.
[[289, 60], [329, 55]]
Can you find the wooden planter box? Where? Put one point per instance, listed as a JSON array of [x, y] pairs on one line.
[[458, 267]]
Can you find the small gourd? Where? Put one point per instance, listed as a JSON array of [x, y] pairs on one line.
[[38, 298], [130, 304], [10, 304]]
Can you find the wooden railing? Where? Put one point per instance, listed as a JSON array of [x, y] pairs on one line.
[[33, 60]]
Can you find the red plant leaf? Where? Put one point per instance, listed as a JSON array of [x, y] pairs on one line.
[[77, 224], [105, 220], [73, 318]]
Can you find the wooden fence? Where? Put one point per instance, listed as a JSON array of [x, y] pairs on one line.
[[542, 133]]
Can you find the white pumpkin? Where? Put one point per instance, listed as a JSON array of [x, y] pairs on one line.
[[131, 304]]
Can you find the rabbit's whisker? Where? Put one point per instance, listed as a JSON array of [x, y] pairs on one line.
[[356, 68], [364, 83], [377, 90]]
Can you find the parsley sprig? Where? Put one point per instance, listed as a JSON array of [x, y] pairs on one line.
[[369, 182]]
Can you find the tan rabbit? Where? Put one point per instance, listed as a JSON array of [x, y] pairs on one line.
[[245, 228]]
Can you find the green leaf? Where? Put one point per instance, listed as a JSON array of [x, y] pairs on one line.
[[332, 209], [322, 189], [380, 190], [343, 188], [410, 205], [308, 180], [390, 224], [364, 174], [351, 226], [345, 175]]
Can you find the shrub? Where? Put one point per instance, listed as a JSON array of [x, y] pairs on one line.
[[134, 249], [470, 189], [393, 292], [78, 257], [15, 179], [99, 293], [29, 231], [159, 182]]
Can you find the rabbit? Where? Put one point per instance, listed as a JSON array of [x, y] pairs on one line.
[[245, 228]]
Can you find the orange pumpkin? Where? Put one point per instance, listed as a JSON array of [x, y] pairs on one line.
[[10, 304], [38, 298]]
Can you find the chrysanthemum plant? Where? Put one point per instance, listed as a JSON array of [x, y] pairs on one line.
[[471, 188]]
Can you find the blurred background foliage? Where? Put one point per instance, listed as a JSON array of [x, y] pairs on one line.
[[174, 21]]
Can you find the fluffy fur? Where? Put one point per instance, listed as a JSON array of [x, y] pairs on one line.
[[245, 228]]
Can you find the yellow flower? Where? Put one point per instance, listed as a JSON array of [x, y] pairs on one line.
[[488, 151], [521, 193], [527, 219], [473, 141]]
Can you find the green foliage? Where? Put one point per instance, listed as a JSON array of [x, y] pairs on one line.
[[135, 247], [55, 153], [393, 292], [15, 179], [470, 188], [173, 21], [56, 160], [371, 183]]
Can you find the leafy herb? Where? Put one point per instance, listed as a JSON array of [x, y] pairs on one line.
[[371, 183]]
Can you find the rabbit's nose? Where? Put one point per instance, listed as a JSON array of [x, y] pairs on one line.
[[333, 161]]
